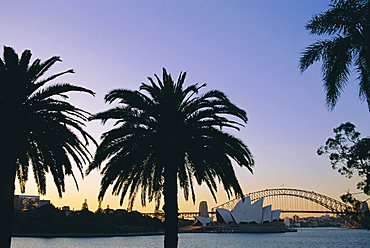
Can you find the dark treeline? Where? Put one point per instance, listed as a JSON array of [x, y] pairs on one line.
[[50, 220]]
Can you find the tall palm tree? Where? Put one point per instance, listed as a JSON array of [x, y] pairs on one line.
[[164, 135], [347, 24], [39, 129]]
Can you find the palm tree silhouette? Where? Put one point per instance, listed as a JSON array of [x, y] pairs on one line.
[[166, 137], [347, 23], [39, 129]]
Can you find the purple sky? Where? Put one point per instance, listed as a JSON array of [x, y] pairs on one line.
[[248, 49]]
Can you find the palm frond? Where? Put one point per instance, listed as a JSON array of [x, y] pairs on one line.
[[42, 67], [58, 90], [312, 54], [335, 68], [10, 59], [25, 60], [363, 68], [342, 18], [41, 82]]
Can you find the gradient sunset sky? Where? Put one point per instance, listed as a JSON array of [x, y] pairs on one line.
[[248, 49]]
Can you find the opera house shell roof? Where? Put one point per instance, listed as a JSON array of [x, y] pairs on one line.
[[246, 212]]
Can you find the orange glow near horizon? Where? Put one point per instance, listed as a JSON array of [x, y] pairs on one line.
[[89, 187]]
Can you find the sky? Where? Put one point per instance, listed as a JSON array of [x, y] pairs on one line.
[[248, 49]]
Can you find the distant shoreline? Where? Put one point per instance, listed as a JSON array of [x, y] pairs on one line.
[[85, 235], [109, 235]]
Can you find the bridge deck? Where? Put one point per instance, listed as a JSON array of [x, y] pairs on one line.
[[192, 214]]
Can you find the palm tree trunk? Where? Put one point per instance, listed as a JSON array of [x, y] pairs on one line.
[[170, 207], [7, 177], [9, 144]]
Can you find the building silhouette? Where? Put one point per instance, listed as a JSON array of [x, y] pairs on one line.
[[85, 206], [203, 209]]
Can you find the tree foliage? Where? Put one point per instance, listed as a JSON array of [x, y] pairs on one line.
[[45, 127], [144, 125], [347, 26], [360, 217], [48, 220], [349, 154]]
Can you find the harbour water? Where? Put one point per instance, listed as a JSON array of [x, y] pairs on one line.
[[303, 238]]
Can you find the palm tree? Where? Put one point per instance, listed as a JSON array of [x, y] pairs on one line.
[[39, 129], [347, 24], [166, 137]]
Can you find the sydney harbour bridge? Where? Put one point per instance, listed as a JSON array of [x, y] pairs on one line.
[[288, 200]]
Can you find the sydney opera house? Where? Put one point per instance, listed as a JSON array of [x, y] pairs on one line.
[[243, 212]]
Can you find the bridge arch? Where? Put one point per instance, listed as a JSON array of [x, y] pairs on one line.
[[327, 202]]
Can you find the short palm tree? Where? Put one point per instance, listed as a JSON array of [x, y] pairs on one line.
[[39, 129], [347, 24], [165, 135]]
